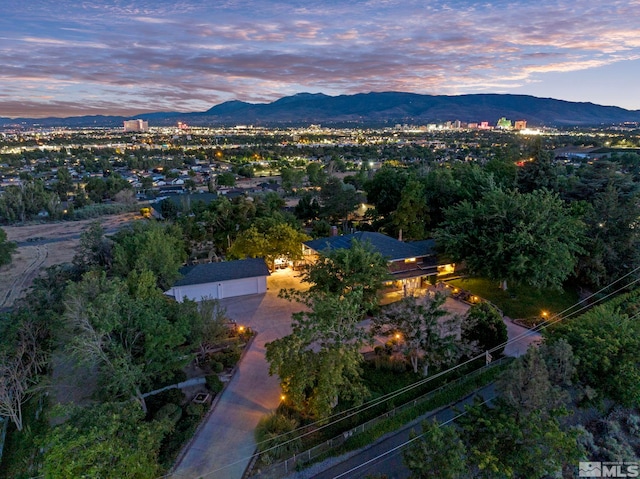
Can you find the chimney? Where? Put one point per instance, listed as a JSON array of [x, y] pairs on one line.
[[334, 231]]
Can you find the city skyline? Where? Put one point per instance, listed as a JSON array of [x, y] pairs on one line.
[[126, 58]]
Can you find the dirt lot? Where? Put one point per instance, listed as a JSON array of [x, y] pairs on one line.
[[30, 259]]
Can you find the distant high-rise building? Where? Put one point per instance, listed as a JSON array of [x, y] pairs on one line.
[[520, 124], [504, 124], [136, 125]]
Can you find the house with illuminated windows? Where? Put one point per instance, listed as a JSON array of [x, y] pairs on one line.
[[412, 264]]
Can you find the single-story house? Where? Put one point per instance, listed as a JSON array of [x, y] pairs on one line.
[[221, 280], [410, 263]]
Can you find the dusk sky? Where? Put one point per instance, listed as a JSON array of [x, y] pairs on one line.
[[69, 58]]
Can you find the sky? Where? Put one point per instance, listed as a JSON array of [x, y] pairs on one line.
[[84, 57]]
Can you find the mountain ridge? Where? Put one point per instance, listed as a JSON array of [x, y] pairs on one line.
[[373, 108]]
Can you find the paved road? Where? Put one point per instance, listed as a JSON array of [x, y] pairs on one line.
[[381, 458], [385, 456], [225, 443], [519, 339]]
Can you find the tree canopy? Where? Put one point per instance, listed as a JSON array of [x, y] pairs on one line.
[[338, 200], [278, 240], [108, 440], [153, 247], [342, 270], [484, 327], [521, 435], [6, 248], [427, 335], [133, 340], [319, 362], [606, 341], [531, 238]]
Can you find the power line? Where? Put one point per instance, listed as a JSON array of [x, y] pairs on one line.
[[400, 446], [406, 443], [377, 401]]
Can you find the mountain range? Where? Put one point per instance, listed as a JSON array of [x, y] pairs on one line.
[[371, 109]]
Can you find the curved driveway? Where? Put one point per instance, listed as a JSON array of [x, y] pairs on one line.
[[225, 443]]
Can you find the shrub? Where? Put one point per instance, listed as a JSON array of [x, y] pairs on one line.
[[170, 411], [214, 384], [231, 357], [390, 363], [158, 401], [195, 410], [275, 436]]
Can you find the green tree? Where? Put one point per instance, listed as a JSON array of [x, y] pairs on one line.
[[521, 435], [168, 209], [150, 246], [384, 190], [606, 341], [438, 454], [269, 204], [484, 327], [338, 200], [132, 342], [146, 182], [108, 441], [425, 331], [613, 244], [343, 270], [24, 202], [292, 178], [226, 179], [526, 388], [504, 171], [501, 444], [22, 362], [319, 362], [540, 172], [94, 248], [316, 174], [64, 183], [412, 213], [442, 190], [308, 207], [100, 189], [7, 248], [507, 236], [278, 241]]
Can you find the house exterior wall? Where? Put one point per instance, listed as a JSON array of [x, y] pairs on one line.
[[401, 265], [220, 289]]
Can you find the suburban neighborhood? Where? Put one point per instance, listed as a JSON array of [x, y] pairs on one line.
[[253, 302]]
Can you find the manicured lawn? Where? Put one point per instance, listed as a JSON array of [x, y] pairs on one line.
[[519, 301]]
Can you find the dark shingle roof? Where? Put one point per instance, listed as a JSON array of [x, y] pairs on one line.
[[390, 248], [227, 270]]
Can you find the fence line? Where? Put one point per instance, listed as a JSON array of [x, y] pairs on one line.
[[282, 468]]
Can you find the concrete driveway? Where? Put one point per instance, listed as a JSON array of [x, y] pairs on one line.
[[224, 444]]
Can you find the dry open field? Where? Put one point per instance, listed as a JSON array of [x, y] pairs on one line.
[[30, 259]]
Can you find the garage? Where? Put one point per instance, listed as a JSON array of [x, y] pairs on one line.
[[227, 279]]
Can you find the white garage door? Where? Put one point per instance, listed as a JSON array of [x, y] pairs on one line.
[[239, 287]]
